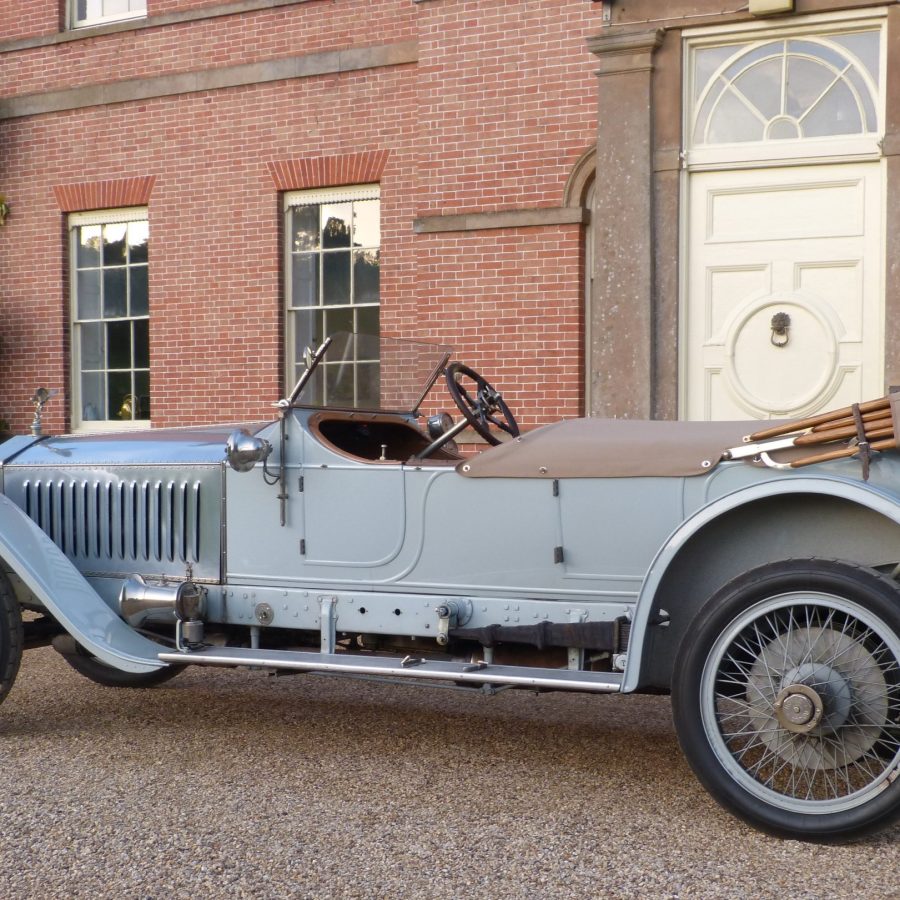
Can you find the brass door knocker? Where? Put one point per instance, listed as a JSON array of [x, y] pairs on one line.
[[781, 322]]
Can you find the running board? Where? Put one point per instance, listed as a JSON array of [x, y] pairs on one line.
[[409, 667]]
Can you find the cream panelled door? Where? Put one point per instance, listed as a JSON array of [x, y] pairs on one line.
[[801, 242], [782, 300]]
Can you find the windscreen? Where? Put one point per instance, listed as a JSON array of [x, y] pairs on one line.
[[362, 371]]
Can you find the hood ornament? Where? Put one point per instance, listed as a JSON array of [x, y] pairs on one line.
[[40, 398]]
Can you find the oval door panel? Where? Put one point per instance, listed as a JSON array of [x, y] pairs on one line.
[[781, 354]]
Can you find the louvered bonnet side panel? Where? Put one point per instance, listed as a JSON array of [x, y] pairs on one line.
[[125, 520]]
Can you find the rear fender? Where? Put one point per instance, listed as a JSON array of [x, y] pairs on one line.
[[868, 497], [63, 590]]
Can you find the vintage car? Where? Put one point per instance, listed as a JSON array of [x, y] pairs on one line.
[[587, 555]]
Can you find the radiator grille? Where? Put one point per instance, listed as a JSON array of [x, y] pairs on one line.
[[131, 521]]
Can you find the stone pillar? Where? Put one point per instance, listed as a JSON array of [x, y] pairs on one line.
[[621, 304]]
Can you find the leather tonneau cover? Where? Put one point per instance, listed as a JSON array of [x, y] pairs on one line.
[[610, 448]]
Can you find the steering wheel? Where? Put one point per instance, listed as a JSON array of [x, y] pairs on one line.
[[480, 403]]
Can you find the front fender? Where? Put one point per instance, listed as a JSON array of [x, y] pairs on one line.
[[873, 498], [63, 590]]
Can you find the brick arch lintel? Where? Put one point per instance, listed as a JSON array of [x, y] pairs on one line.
[[109, 194], [328, 171]]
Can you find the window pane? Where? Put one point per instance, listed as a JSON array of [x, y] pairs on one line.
[[118, 345], [91, 346], [118, 394], [114, 298], [865, 47], [706, 110], [761, 85], [142, 395], [138, 241], [305, 280], [706, 63], [334, 261], [309, 331], [339, 383], [340, 319], [826, 84], [88, 246], [141, 346], [806, 80], [92, 405], [864, 95], [305, 228], [367, 320], [369, 385], [335, 278], [732, 122], [764, 51], [366, 276], [115, 7], [139, 301], [366, 223], [114, 244], [88, 288], [111, 331], [99, 10], [783, 129], [817, 50], [336, 225], [835, 113]]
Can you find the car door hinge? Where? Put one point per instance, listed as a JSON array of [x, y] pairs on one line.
[[557, 554], [555, 487], [300, 484], [303, 546]]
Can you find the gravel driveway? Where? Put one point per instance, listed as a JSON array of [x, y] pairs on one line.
[[237, 784]]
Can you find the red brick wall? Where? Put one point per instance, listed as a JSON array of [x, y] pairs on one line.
[[507, 94], [510, 302], [493, 117], [207, 43], [29, 18]]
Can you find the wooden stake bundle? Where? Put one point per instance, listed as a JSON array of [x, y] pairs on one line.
[[841, 427], [846, 413]]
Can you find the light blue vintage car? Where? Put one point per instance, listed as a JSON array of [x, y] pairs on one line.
[[347, 536]]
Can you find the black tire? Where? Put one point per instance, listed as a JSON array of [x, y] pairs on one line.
[[786, 699], [11, 636], [101, 673]]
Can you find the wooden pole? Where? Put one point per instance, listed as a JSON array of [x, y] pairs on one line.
[[804, 424]]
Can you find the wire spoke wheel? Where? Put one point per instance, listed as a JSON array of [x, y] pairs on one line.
[[805, 700], [787, 698]]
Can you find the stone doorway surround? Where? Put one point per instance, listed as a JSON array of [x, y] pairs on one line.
[[634, 304]]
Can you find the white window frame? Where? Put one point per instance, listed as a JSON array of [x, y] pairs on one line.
[[87, 22], [300, 198], [75, 221], [784, 152]]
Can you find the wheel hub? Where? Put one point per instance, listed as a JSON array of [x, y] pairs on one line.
[[818, 698], [813, 694], [799, 708]]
